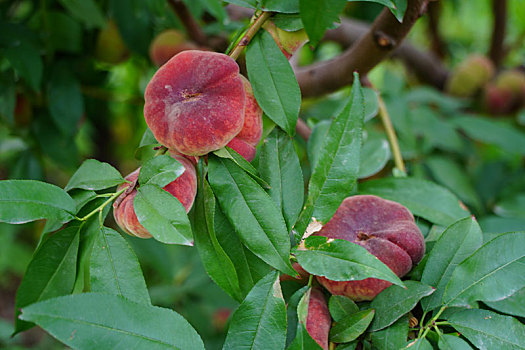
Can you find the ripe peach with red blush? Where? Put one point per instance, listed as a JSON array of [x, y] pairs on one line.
[[167, 44], [195, 102], [184, 188], [318, 321], [386, 229]]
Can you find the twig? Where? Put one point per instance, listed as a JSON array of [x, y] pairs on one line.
[[434, 13], [245, 40], [497, 51], [190, 24], [391, 135], [385, 35]]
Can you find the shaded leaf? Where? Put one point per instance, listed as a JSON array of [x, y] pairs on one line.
[[260, 321], [82, 321], [115, 269], [351, 327], [317, 16], [393, 337]]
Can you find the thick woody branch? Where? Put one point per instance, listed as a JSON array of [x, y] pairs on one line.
[[434, 13], [497, 51], [193, 28], [427, 67], [385, 35]]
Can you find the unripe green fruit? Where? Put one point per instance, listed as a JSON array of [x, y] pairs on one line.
[[110, 46], [470, 76]]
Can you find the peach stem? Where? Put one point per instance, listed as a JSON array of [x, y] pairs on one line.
[[245, 40], [391, 135]]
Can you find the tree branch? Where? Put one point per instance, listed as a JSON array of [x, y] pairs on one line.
[[438, 45], [384, 36], [497, 51], [425, 65], [190, 24]]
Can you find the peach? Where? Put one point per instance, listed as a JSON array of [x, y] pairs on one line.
[[318, 321], [184, 188], [507, 93], [470, 76], [167, 44], [250, 135], [386, 229], [110, 46], [195, 102]]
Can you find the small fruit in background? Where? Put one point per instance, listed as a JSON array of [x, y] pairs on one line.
[[167, 44], [184, 188], [195, 102], [470, 76], [23, 111], [288, 42], [219, 319], [386, 229], [110, 47], [507, 93]]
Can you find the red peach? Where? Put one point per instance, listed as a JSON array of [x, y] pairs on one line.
[[386, 229], [184, 188], [195, 102], [167, 44], [318, 321]]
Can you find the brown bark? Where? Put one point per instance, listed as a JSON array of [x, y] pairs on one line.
[[497, 50], [434, 13], [425, 65], [385, 35]]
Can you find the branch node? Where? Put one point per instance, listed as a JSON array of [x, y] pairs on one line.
[[383, 40]]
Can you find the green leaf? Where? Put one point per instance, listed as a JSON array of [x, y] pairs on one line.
[[27, 200], [488, 330], [512, 305], [86, 11], [251, 211], [51, 272], [7, 97], [375, 153], [282, 6], [394, 302], [66, 103], [65, 34], [94, 175], [288, 22], [115, 269], [459, 240], [397, 7], [85, 321], [393, 337], [280, 168], [351, 327], [82, 197], [244, 3], [419, 344], [293, 326], [317, 16], [260, 321], [249, 267], [134, 23], [230, 153], [215, 260], [26, 61], [493, 132], [336, 172], [160, 171], [341, 306], [341, 260], [513, 207], [423, 198], [452, 176], [493, 272], [162, 215], [452, 342], [303, 340], [273, 82]]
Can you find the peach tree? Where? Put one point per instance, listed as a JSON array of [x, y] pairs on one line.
[[299, 207]]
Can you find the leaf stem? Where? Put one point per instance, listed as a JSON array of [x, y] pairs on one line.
[[256, 25], [391, 135], [103, 205]]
